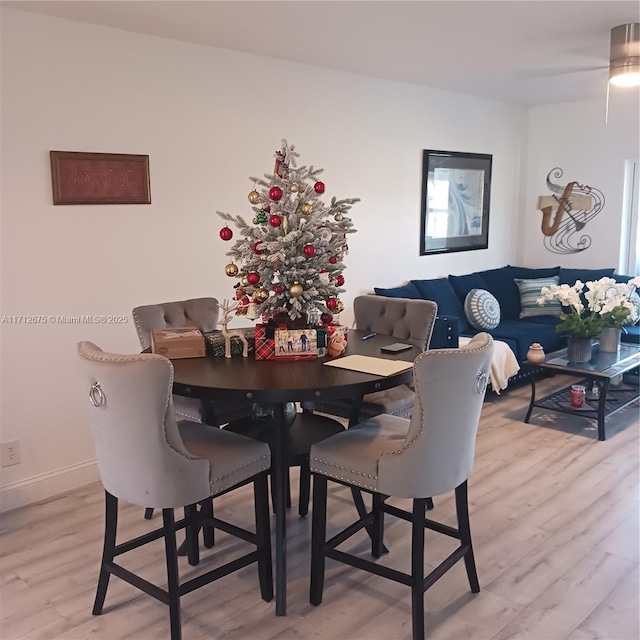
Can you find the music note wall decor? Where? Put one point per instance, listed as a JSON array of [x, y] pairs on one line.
[[564, 216]]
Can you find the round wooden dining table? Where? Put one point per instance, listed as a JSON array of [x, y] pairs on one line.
[[279, 382]]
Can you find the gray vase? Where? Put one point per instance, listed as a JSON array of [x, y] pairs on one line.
[[579, 349], [609, 340]]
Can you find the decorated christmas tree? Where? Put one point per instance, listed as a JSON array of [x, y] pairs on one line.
[[290, 257]]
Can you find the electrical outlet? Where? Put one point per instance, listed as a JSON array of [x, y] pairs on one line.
[[10, 453]]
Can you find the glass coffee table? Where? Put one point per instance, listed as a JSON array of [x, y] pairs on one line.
[[598, 374]]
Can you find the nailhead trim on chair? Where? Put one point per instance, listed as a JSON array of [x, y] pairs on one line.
[[236, 481], [143, 342], [330, 475]]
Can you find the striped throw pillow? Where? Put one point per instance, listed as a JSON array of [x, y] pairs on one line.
[[530, 291]]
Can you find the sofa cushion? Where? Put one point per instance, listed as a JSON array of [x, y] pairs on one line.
[[530, 273], [482, 309], [441, 292], [500, 283], [570, 276], [463, 284], [531, 291], [525, 333], [405, 291], [631, 334], [552, 321]]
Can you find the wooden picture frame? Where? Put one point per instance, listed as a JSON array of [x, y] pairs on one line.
[[99, 178], [456, 191]]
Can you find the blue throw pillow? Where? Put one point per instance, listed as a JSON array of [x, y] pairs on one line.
[[482, 310], [440, 291], [406, 291], [531, 291]]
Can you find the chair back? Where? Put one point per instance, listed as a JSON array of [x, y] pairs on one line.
[[199, 312], [408, 320], [141, 457], [437, 453]]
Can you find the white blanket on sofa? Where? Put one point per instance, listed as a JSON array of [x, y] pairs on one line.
[[503, 365]]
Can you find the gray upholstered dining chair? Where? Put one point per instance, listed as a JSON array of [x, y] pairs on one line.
[[428, 455], [146, 458], [407, 320], [201, 313]]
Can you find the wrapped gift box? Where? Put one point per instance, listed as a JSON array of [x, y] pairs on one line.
[[215, 343], [265, 344], [181, 342]]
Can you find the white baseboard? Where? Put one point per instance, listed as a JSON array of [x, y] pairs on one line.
[[47, 485]]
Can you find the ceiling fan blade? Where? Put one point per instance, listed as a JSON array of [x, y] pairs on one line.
[[532, 74]]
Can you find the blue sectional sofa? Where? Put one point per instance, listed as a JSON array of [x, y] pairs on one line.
[[519, 333]]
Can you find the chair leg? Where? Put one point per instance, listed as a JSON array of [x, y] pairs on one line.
[[305, 489], [417, 568], [191, 530], [462, 511], [287, 492], [377, 537], [430, 504], [148, 513], [263, 533], [172, 573], [110, 527], [208, 531], [318, 535], [287, 482]]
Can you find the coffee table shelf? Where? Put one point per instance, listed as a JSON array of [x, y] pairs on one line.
[[600, 370]]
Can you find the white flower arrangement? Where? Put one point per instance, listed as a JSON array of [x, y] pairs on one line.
[[610, 304], [578, 322], [613, 301]]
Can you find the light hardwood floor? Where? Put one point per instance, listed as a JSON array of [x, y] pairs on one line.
[[554, 517]]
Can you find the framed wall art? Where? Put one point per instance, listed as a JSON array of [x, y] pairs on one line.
[[455, 201], [99, 178]]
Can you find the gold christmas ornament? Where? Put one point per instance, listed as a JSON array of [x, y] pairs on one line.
[[295, 290], [261, 295], [231, 270], [339, 306], [305, 208], [338, 217], [294, 187], [245, 281], [256, 221], [254, 197]]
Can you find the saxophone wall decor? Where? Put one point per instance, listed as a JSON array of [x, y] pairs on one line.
[[565, 214]]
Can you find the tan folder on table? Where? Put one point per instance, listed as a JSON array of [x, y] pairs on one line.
[[368, 364]]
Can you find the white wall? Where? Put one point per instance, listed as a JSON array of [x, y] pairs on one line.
[[208, 119], [574, 137]]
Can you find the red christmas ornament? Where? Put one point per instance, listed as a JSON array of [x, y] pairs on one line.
[[340, 280], [278, 289], [333, 260], [253, 278], [275, 193], [326, 318], [318, 187], [332, 304], [226, 233], [267, 209], [275, 220], [256, 250], [309, 250]]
